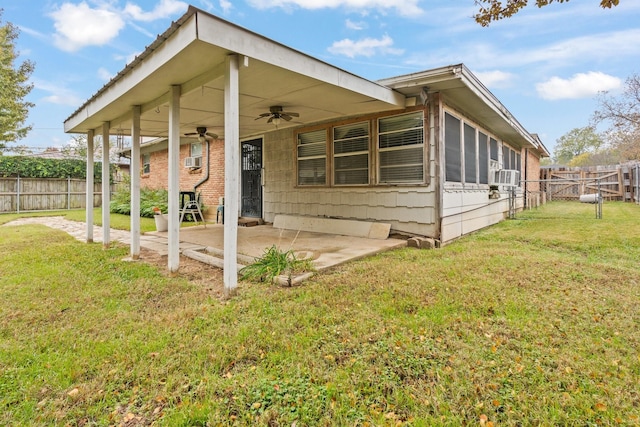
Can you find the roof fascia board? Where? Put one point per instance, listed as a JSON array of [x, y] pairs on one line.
[[475, 85], [226, 35], [423, 78], [179, 36]]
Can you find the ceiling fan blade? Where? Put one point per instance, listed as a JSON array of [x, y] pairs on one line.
[[190, 134], [270, 120], [212, 135], [292, 114], [285, 117]]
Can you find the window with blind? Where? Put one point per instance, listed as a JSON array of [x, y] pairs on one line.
[[401, 149], [452, 150], [351, 154], [312, 158]]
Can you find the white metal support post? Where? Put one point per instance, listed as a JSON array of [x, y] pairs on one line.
[[174, 179], [106, 186], [135, 183], [231, 173], [89, 189]]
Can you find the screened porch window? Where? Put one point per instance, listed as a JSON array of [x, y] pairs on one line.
[[452, 150], [351, 154], [312, 158], [401, 149]]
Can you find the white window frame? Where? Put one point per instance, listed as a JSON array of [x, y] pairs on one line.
[[146, 163]]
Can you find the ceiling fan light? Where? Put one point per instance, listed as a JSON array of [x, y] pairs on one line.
[[201, 138], [276, 121]]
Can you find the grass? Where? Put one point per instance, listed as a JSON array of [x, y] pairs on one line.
[[530, 322]]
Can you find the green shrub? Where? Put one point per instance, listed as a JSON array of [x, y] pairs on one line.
[[36, 167], [121, 201]]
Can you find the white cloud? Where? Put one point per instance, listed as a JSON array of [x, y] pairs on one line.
[[163, 9], [495, 79], [403, 7], [364, 47], [581, 85], [59, 95], [226, 6], [78, 25], [104, 74], [355, 25]]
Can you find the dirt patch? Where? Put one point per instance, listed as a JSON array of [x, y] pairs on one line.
[[196, 272]]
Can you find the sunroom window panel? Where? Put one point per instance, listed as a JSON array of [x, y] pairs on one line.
[[505, 157], [493, 151], [483, 158], [401, 149], [452, 151], [469, 154], [351, 154]]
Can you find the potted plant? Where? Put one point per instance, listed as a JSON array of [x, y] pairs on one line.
[[162, 224]]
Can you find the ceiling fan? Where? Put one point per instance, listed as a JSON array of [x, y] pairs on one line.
[[275, 114], [202, 133]]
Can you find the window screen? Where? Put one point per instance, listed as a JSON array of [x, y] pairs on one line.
[[453, 163], [483, 158], [312, 158], [505, 157], [401, 148], [351, 154], [512, 156], [469, 154], [493, 154]]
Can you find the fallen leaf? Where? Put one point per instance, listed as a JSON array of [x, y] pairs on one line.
[[600, 407]]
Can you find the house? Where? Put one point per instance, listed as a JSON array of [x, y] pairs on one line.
[[278, 132]]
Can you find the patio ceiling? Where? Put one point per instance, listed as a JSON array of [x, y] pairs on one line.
[[192, 54]]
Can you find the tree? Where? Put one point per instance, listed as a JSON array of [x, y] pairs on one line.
[[623, 114], [13, 88], [575, 143], [493, 10]]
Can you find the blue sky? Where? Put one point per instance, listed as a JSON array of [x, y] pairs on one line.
[[545, 65]]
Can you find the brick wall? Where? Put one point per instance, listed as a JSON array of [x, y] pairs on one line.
[[533, 170], [210, 191]]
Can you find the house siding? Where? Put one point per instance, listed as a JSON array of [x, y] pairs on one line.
[[409, 209]]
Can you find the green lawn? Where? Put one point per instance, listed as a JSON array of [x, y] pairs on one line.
[[535, 321]]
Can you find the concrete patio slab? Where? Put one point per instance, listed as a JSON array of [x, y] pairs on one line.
[[325, 250]]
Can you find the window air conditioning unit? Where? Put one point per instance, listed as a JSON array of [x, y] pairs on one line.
[[193, 162], [505, 177]]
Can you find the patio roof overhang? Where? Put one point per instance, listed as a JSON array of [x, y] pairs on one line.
[[192, 53]]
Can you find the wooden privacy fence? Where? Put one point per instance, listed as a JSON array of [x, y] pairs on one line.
[[619, 182], [40, 194]]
